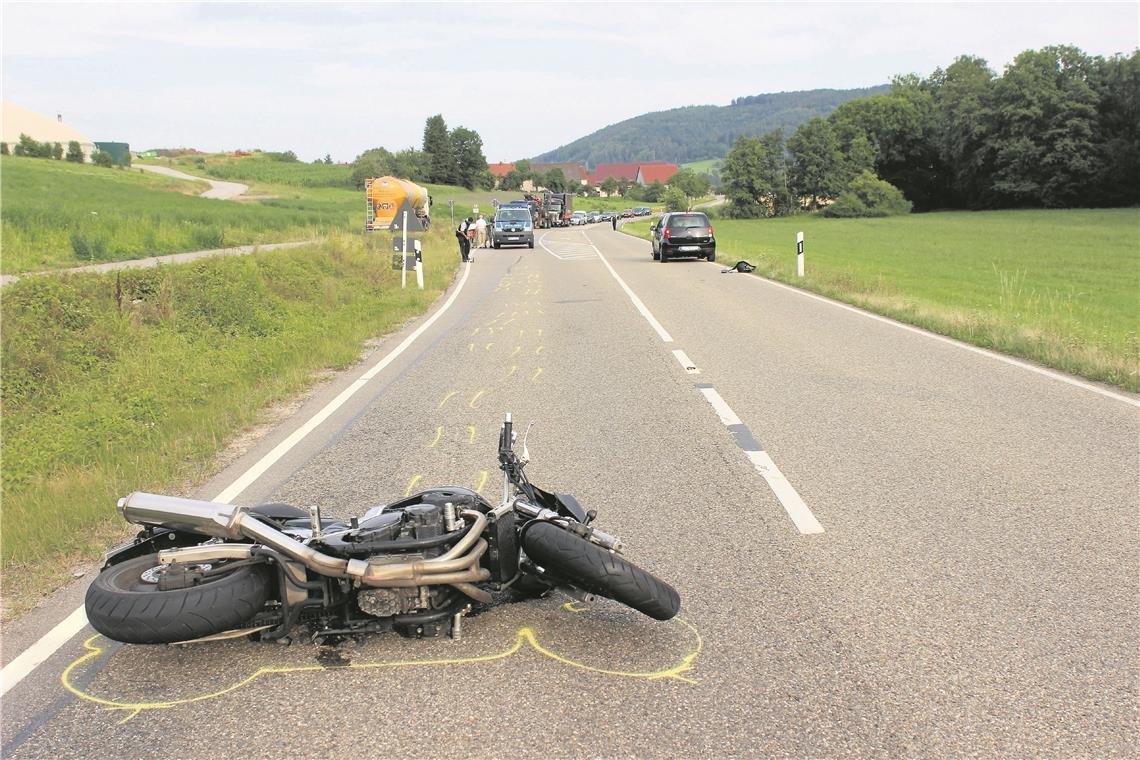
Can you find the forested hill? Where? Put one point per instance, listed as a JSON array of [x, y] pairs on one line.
[[693, 133]]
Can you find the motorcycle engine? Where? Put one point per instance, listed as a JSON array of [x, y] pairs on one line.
[[396, 536]]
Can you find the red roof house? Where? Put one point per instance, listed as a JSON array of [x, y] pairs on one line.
[[647, 174], [501, 170]]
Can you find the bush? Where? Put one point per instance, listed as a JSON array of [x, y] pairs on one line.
[[102, 158], [74, 152], [3, 149], [675, 200], [867, 195]]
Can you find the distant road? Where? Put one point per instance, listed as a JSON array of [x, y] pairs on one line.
[[717, 201], [226, 191]]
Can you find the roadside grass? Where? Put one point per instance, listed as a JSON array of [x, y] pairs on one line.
[[58, 215], [137, 380], [1058, 287]]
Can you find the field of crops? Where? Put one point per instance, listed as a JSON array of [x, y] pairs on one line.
[[1058, 287]]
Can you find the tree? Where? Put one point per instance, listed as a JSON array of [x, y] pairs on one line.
[[756, 177], [609, 186], [328, 158], [675, 200], [372, 163], [56, 151], [3, 149], [1118, 130], [963, 103], [867, 195], [437, 144], [816, 169], [470, 162], [554, 180], [693, 185], [412, 164], [102, 158], [74, 152]]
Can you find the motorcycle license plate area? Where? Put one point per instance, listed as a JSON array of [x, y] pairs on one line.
[[544, 638]]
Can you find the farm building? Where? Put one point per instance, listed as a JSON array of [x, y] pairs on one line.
[[18, 120]]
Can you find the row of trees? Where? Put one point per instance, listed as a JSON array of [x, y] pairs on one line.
[[448, 157], [53, 150], [1058, 128]]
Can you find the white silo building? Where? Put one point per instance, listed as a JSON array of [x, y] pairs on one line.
[[18, 120]]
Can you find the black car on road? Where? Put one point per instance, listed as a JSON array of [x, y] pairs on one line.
[[681, 234]]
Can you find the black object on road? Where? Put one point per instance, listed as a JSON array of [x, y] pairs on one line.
[[740, 266]]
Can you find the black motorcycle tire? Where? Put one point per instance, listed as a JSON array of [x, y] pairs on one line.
[[123, 607], [598, 571]]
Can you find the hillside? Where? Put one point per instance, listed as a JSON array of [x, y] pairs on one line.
[[694, 133]]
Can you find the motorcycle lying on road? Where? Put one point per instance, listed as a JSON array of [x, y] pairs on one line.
[[200, 569]]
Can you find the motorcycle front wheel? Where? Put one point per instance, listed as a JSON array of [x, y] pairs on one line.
[[598, 571], [124, 602]]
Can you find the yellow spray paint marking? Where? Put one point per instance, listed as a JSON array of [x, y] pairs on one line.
[[524, 638], [448, 396], [412, 484], [477, 329], [488, 346], [540, 332], [512, 319], [517, 349], [438, 433], [513, 369], [538, 350], [522, 332], [470, 347], [482, 481], [476, 397], [537, 372], [471, 434]]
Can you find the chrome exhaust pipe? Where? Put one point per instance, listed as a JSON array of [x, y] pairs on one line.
[[459, 565]]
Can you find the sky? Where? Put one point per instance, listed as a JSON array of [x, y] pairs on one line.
[[342, 78]]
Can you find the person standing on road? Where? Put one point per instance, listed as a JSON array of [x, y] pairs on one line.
[[481, 232], [464, 241], [614, 219]]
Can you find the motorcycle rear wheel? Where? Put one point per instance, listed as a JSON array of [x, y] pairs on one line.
[[125, 606], [598, 571]]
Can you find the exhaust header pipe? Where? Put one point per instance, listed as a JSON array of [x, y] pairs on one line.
[[459, 566]]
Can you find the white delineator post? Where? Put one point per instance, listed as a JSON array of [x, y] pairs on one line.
[[419, 264], [799, 254], [404, 252]]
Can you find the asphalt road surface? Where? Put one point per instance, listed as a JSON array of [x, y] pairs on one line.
[[886, 544]]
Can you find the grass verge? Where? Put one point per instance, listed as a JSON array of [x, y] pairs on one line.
[[137, 380], [1057, 287]]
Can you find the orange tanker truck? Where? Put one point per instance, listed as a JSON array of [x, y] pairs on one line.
[[387, 196]]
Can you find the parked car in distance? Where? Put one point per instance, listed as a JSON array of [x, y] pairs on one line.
[[605, 216], [592, 217], [642, 211], [682, 234], [627, 214], [578, 218], [513, 226]]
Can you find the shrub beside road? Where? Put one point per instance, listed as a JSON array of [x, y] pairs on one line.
[[1057, 287]]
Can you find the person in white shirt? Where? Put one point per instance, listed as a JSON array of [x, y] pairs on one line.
[[481, 232]]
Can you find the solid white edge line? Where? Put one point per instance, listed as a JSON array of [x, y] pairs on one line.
[[1053, 374], [27, 661], [542, 242], [664, 335], [685, 362], [721, 407], [787, 495]]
